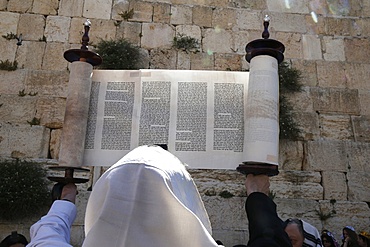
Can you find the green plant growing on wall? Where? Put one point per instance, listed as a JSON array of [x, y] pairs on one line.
[[185, 43], [7, 65], [22, 93], [127, 14], [9, 36], [289, 82], [226, 194], [119, 54], [23, 190], [34, 121]]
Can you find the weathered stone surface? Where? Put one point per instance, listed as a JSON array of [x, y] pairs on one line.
[[55, 137], [361, 128], [248, 20], [11, 82], [301, 101], [30, 54], [290, 155], [181, 15], [53, 57], [70, 8], [358, 186], [326, 156], [163, 59], [77, 234], [315, 23], [228, 62], [239, 42], [288, 6], [50, 111], [202, 61], [130, 31], [9, 23], [77, 30], [8, 50], [338, 127], [358, 157], [119, 8], [24, 141], [224, 18], [341, 27], [308, 71], [37, 22], [212, 38], [3, 4], [101, 29], [286, 22], [292, 43], [45, 7], [355, 50], [356, 75], [98, 9], [202, 16], [252, 4], [57, 28], [333, 100], [331, 74], [19, 6], [364, 98], [311, 47], [365, 27], [143, 12], [334, 184], [17, 109], [308, 124], [47, 83], [231, 237], [183, 60], [333, 49], [162, 13], [164, 34], [189, 30]]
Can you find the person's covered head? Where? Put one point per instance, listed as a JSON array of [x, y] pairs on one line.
[[328, 239], [147, 199], [302, 233], [14, 240], [364, 239]]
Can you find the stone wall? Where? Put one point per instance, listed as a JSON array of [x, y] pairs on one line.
[[324, 176]]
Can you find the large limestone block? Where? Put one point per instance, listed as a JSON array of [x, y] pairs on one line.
[[3, 4], [50, 111], [8, 50], [249, 20], [183, 60], [315, 22], [70, 8], [219, 209], [181, 15], [98, 9], [213, 38], [202, 16], [24, 141], [302, 101], [336, 127], [163, 34], [364, 97], [335, 100], [9, 23], [228, 62], [55, 138], [16, 109], [143, 12], [239, 42], [297, 184], [119, 8], [202, 61], [45, 7], [30, 54], [292, 43], [357, 74], [335, 186], [57, 28], [47, 83], [355, 51], [252, 4], [365, 26], [342, 26], [333, 49], [129, 31], [358, 186], [286, 22], [288, 6], [37, 22], [77, 235], [224, 18], [331, 74], [326, 156], [53, 57], [12, 82], [189, 30], [358, 157], [361, 126], [308, 124], [311, 47], [19, 6], [162, 13], [290, 155], [308, 71], [344, 213], [163, 59]]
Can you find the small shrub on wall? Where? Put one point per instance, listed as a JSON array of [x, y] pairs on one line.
[[24, 190]]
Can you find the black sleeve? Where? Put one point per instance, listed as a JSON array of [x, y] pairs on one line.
[[265, 227]]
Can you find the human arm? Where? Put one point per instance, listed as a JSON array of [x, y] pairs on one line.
[[54, 228], [265, 227]]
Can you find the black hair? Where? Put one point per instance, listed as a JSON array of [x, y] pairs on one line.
[[14, 238]]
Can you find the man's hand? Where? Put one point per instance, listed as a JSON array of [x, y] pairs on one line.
[[69, 192], [257, 183]]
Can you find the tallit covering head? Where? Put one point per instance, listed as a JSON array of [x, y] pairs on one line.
[[147, 199]]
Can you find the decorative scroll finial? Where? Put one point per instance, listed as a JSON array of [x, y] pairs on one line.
[[85, 37], [266, 22]]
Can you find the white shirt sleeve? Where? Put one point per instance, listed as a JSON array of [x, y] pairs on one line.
[[54, 229]]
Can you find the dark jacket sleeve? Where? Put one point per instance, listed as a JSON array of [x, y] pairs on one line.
[[265, 227]]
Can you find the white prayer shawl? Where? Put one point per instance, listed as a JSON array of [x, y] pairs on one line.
[[147, 199], [311, 235]]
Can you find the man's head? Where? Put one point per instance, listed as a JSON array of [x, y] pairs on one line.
[[294, 229]]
